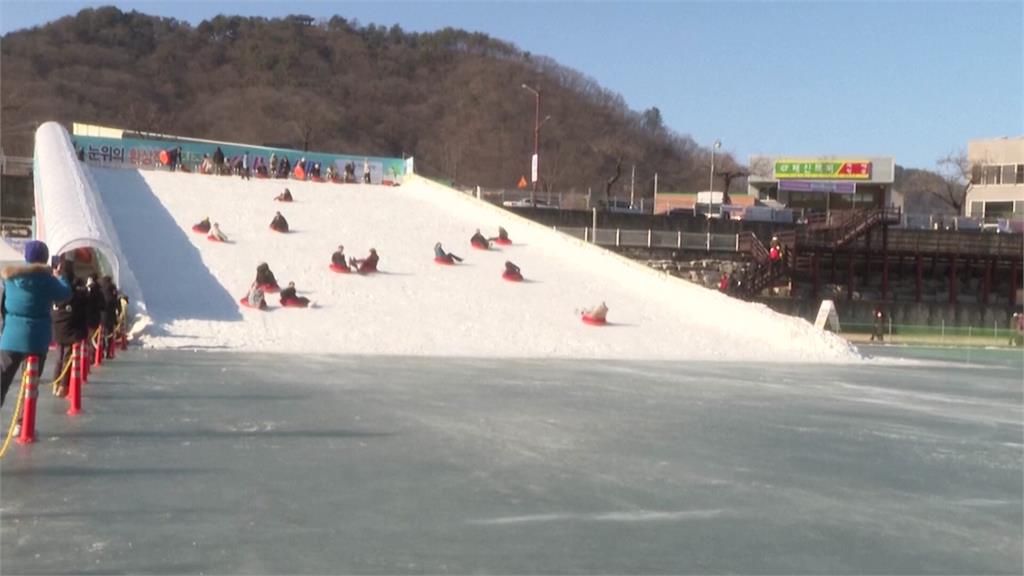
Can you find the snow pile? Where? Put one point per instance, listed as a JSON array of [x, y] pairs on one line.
[[414, 306]]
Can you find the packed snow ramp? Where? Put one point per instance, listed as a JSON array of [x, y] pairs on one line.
[[413, 306]]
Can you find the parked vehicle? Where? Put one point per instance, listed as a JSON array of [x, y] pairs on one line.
[[525, 203]]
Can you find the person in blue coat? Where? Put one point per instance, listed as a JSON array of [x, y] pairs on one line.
[[29, 293]]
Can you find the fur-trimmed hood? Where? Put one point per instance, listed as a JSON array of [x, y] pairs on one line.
[[25, 269]]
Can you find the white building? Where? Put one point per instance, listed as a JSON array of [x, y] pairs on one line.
[[997, 179]]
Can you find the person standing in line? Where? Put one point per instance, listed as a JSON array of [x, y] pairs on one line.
[[366, 171], [245, 165], [29, 292], [69, 325]]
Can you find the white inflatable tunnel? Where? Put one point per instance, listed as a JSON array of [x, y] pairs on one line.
[[70, 216]]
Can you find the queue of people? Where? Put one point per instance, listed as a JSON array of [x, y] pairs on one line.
[[46, 303]]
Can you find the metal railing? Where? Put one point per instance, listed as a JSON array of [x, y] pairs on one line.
[[623, 238]]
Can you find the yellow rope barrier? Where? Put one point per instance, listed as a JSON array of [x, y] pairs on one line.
[[63, 372], [17, 412]]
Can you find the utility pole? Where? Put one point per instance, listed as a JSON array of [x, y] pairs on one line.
[[535, 162], [632, 185]]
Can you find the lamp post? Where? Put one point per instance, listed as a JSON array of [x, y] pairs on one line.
[[711, 187], [535, 171]]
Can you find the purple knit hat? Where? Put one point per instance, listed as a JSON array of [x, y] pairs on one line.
[[36, 252]]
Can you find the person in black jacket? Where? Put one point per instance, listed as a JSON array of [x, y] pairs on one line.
[[94, 306], [69, 327], [290, 298], [218, 160], [109, 315], [279, 224], [265, 277]]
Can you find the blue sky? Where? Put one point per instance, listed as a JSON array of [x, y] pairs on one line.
[[915, 80]]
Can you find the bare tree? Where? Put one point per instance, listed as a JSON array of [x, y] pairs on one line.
[[955, 170]]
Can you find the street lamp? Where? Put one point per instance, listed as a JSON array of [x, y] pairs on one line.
[[711, 187], [535, 168]]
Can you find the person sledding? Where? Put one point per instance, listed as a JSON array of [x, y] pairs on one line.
[[285, 196], [479, 241], [502, 237], [255, 298], [216, 235], [442, 257], [279, 224], [366, 265], [289, 298], [596, 315], [203, 227], [265, 278], [512, 272], [338, 261]]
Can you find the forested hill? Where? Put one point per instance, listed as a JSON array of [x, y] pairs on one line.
[[453, 99]]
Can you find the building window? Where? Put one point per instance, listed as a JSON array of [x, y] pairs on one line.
[[977, 209], [1008, 173], [1020, 174], [998, 209], [991, 175]]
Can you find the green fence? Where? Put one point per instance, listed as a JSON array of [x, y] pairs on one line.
[[986, 336]]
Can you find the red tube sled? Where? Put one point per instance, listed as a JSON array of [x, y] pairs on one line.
[[270, 288], [444, 261], [199, 229], [214, 239], [588, 319], [278, 230], [340, 269], [479, 246], [244, 301], [281, 200], [295, 303], [512, 277], [503, 242]]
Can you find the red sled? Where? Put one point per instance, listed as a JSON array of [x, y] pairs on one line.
[[449, 261], [278, 231], [294, 304], [340, 269], [215, 239], [244, 301], [281, 200], [270, 288], [512, 277], [199, 229], [588, 319], [503, 242], [480, 246]]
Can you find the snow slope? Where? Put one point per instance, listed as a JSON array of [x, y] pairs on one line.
[[191, 286]]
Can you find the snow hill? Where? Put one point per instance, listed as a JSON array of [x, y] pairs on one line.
[[191, 286]]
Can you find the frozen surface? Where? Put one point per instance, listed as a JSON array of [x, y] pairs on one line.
[[230, 463], [414, 307]]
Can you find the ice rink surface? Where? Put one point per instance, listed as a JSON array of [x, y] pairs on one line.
[[228, 463]]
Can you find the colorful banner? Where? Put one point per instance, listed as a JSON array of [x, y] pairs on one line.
[[143, 153], [823, 169]]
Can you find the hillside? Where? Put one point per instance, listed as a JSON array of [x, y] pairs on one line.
[[191, 286], [451, 98]]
